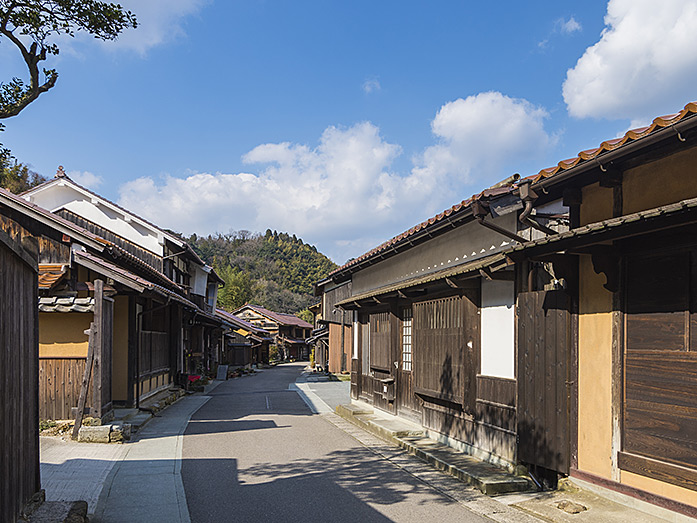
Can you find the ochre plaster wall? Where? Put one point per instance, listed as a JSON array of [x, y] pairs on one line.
[[62, 334], [596, 204], [335, 347], [594, 373], [659, 488], [662, 182], [119, 356]]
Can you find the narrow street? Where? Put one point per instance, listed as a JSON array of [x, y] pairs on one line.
[[255, 452]]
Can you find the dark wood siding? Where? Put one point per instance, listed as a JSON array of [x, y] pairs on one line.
[[153, 360], [329, 300], [19, 351], [543, 353], [660, 367]]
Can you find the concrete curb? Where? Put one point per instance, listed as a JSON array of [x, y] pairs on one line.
[[312, 400]]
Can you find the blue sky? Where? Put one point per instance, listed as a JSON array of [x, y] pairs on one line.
[[345, 122]]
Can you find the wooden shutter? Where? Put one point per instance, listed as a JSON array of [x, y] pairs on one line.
[[445, 349], [380, 357], [660, 405]]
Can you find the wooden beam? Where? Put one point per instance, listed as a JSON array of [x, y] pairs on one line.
[[486, 273], [571, 196], [452, 283], [610, 177], [98, 347], [92, 333]]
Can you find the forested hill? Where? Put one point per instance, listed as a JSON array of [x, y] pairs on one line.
[[275, 270]]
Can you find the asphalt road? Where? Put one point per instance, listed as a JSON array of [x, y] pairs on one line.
[[255, 452]]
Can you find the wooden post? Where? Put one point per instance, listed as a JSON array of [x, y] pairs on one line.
[[92, 332], [98, 347]]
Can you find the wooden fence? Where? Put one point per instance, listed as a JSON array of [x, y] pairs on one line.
[[60, 378]]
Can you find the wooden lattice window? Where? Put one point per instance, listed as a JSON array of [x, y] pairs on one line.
[[406, 340]]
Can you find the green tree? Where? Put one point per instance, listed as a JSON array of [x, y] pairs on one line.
[[238, 289], [17, 177], [306, 315], [29, 26]]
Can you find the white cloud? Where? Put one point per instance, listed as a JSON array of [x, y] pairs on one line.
[[343, 195], [86, 179], [569, 26], [371, 85], [645, 62], [159, 22], [325, 194], [482, 134]]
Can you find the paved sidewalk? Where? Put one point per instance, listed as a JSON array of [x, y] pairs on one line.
[[72, 471], [146, 485]]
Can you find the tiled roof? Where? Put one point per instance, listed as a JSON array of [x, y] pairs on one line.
[[228, 316], [632, 135], [50, 274], [278, 317], [292, 341], [66, 304], [132, 278], [605, 226], [464, 204]]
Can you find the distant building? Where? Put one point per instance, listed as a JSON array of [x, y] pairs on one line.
[[290, 332]]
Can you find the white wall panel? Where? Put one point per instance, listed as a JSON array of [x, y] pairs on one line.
[[497, 324]]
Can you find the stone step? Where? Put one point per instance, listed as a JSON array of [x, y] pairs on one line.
[[491, 480], [488, 478], [60, 512], [352, 410]]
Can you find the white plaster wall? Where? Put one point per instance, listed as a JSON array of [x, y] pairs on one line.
[[58, 196], [200, 281], [461, 245], [497, 324], [356, 326]]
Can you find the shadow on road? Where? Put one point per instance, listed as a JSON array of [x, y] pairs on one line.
[[345, 485]]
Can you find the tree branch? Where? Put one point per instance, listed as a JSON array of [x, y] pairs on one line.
[[31, 57]]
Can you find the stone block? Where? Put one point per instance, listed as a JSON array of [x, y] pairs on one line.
[[120, 432], [98, 434]]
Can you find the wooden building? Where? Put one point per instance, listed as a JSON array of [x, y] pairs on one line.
[[333, 340], [568, 347], [163, 297], [631, 266], [289, 332], [433, 320], [244, 343]]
